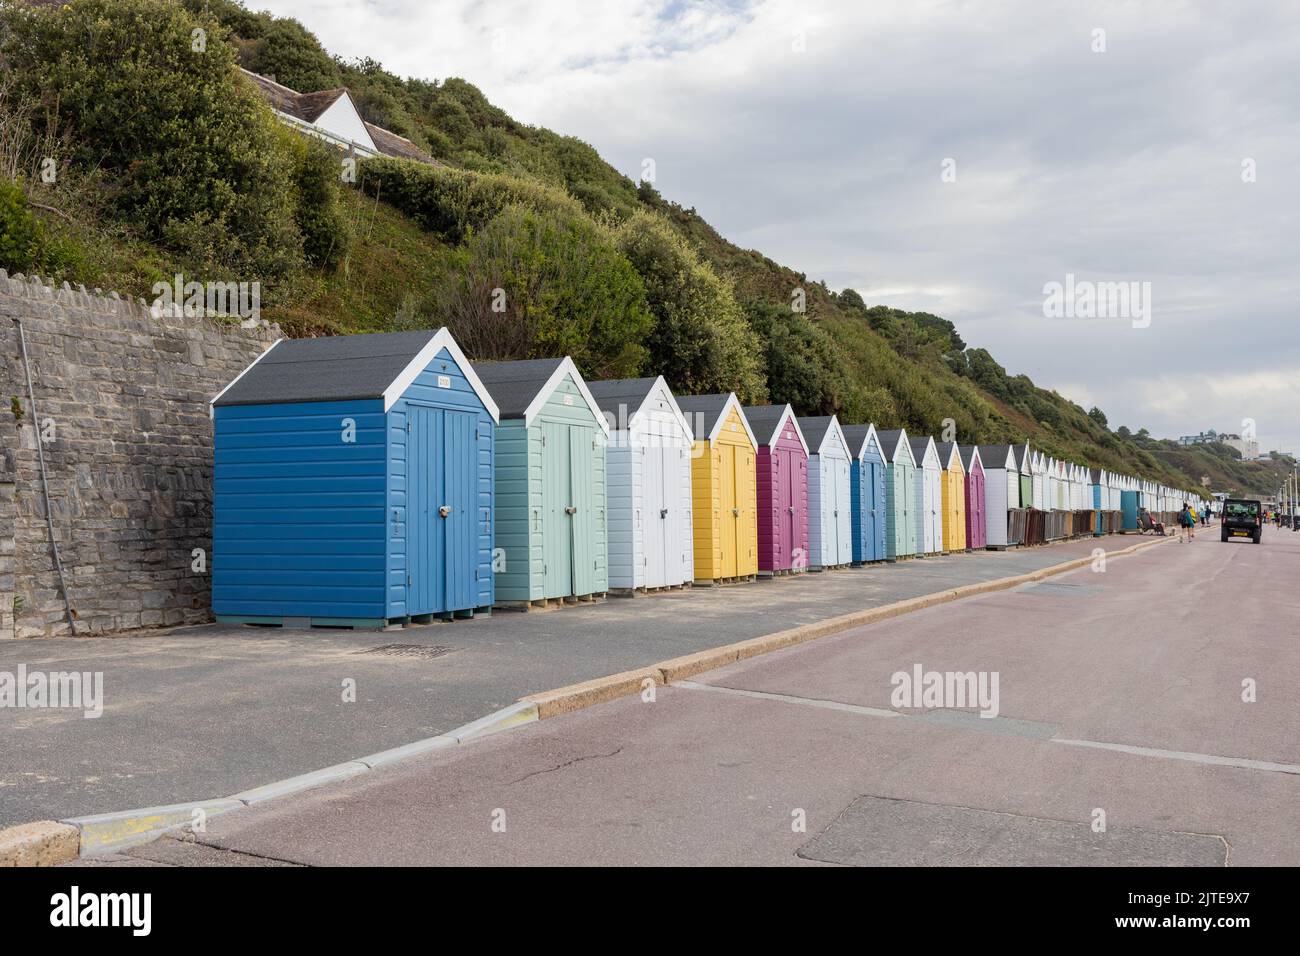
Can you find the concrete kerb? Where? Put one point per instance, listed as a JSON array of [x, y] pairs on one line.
[[565, 700], [42, 843], [107, 832]]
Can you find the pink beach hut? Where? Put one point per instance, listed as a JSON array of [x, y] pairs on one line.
[[976, 518], [782, 465]]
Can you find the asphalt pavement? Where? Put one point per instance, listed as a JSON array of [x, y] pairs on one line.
[[1145, 715], [199, 713]]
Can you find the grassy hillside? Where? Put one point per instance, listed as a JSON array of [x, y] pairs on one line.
[[524, 241]]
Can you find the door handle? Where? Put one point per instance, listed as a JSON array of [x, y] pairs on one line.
[[663, 513], [570, 510], [735, 512], [790, 509], [444, 511]]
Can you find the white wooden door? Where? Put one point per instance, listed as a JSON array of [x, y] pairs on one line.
[[655, 537]]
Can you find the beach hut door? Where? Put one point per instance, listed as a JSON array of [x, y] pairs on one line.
[[557, 529], [582, 507], [441, 484], [877, 503], [659, 520], [729, 506]]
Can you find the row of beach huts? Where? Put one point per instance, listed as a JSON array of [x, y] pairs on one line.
[[373, 479]]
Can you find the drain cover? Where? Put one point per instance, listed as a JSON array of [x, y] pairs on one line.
[[879, 831], [426, 652]]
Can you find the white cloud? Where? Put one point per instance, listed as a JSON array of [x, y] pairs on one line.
[[1123, 165]]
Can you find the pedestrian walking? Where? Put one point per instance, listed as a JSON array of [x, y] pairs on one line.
[[1186, 524]]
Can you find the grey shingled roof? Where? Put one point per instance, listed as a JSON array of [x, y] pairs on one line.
[[889, 441], [514, 385], [856, 436], [628, 392], [814, 428], [763, 420], [333, 369], [918, 449], [702, 411], [1095, 475], [994, 456]]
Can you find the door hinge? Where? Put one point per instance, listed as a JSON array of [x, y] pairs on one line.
[[408, 580], [408, 428]]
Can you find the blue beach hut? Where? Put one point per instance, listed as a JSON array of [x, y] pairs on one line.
[[352, 483]]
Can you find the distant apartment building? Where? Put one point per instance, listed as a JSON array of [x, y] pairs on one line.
[[1248, 448]]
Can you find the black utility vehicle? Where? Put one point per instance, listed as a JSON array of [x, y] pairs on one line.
[[1241, 519]]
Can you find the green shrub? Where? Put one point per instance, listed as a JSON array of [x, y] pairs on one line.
[[701, 342], [317, 178], [20, 231], [538, 283], [451, 203], [189, 147], [804, 368]]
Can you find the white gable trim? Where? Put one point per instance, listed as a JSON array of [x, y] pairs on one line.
[[931, 452], [212, 405], [868, 440], [788, 415], [975, 458], [566, 367], [953, 452], [835, 431], [733, 402], [441, 339], [661, 385], [906, 445], [348, 114]]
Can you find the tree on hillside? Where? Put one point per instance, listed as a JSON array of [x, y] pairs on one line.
[[700, 342], [1098, 416], [157, 107], [291, 53], [803, 366], [851, 299], [537, 283]]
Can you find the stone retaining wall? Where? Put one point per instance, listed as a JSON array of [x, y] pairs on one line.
[[122, 395]]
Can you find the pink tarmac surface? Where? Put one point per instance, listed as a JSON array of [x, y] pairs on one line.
[[1119, 692]]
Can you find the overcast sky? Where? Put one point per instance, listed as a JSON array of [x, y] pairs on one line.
[[819, 133]]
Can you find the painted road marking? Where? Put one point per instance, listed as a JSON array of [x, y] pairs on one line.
[[1014, 726], [1244, 763], [805, 701]]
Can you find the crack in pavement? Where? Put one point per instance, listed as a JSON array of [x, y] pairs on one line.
[[567, 763]]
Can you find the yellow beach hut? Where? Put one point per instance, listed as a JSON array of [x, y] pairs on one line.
[[724, 491], [954, 496]]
